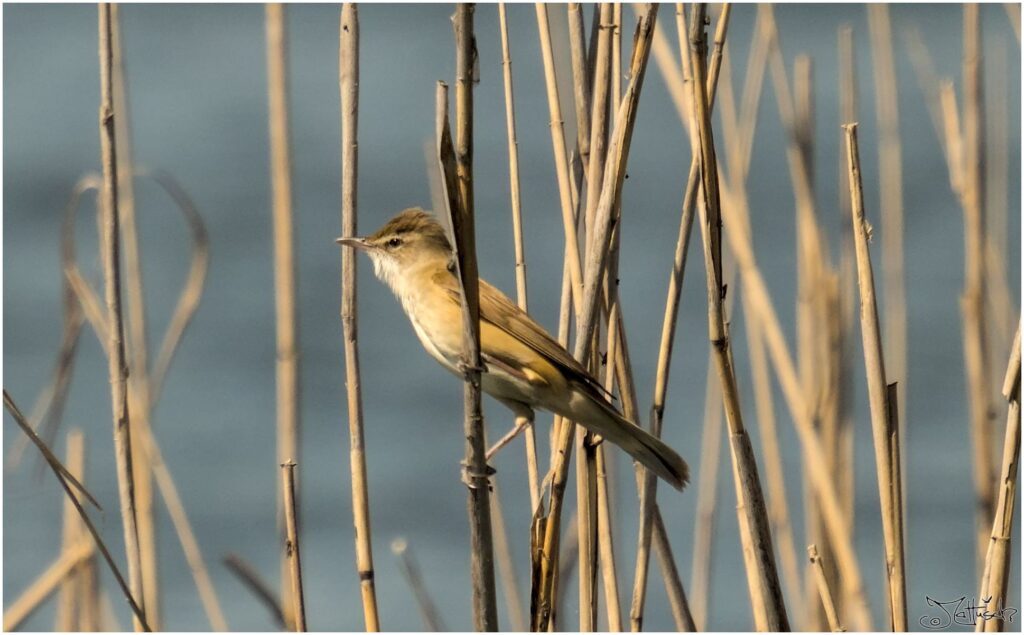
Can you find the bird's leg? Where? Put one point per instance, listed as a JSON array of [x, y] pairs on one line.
[[524, 417], [521, 423]]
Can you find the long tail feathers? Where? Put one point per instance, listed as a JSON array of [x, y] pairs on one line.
[[599, 416]]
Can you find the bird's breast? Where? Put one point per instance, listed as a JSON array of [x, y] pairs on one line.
[[437, 324]]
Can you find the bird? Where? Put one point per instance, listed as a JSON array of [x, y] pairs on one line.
[[524, 368]]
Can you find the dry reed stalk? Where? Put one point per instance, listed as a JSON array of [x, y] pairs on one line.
[[291, 546], [883, 411], [707, 498], [506, 565], [600, 72], [561, 159], [118, 368], [994, 581], [825, 490], [581, 74], [606, 546], [623, 373], [586, 473], [67, 481], [411, 571], [927, 81], [72, 535], [755, 286], [46, 584], [517, 233], [648, 485], [747, 479], [138, 379], [778, 509], [1000, 301], [677, 601], [600, 98], [457, 162], [183, 528], [287, 367], [598, 245], [795, 110], [738, 134], [89, 609], [811, 269], [616, 73], [823, 590], [890, 169], [976, 352], [348, 71], [252, 581], [586, 529]]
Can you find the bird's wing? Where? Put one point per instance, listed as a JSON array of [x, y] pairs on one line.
[[498, 310]]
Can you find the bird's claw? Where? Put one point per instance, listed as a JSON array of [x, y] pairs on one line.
[[469, 476], [465, 369]]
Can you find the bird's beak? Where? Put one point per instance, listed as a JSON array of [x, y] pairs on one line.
[[356, 243]]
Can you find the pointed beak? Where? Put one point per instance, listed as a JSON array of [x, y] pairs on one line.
[[356, 243]]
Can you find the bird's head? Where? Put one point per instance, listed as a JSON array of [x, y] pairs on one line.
[[410, 239]]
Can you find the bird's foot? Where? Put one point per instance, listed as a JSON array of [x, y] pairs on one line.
[[470, 476], [466, 369]]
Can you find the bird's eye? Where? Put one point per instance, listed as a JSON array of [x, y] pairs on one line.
[[394, 242]]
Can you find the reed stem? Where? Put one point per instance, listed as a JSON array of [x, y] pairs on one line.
[[883, 411], [348, 71], [117, 363], [411, 571], [517, 234], [291, 546], [995, 580], [747, 479], [823, 589]]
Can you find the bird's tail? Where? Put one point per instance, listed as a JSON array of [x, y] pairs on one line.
[[599, 416]]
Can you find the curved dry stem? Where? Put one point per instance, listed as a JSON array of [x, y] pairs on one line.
[[49, 407], [252, 581]]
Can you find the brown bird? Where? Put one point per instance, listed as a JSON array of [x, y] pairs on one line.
[[525, 368]]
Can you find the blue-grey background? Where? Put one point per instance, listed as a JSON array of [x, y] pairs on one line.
[[198, 98]]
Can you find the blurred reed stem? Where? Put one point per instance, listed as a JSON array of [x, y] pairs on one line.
[[287, 368], [259, 588], [975, 320], [411, 572], [70, 603]]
